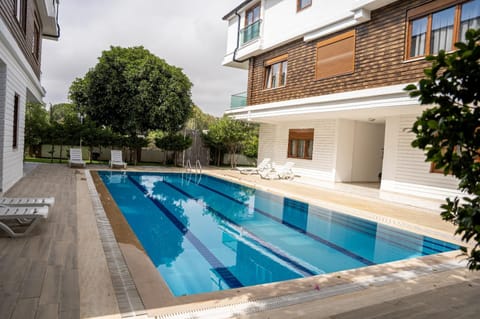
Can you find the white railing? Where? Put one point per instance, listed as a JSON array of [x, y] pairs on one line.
[[198, 167]]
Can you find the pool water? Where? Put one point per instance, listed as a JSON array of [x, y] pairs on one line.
[[206, 234]]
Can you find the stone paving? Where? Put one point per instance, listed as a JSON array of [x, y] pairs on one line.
[[60, 271]]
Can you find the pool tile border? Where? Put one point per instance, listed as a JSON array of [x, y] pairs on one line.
[[129, 301]]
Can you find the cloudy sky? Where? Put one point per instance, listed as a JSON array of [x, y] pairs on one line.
[[189, 34]]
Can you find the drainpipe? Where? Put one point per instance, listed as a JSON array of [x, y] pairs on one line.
[[238, 40]]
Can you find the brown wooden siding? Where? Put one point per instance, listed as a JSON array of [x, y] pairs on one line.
[[379, 61], [24, 39]]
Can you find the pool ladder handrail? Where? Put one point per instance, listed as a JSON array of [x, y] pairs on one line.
[[188, 166], [198, 167]]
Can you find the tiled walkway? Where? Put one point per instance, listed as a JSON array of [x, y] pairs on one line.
[[39, 273], [60, 270]]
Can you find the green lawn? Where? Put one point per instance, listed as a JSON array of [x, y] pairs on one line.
[[57, 160]]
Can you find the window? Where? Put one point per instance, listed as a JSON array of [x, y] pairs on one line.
[[336, 56], [252, 15], [437, 25], [470, 18], [276, 72], [36, 40], [20, 13], [302, 4], [15, 121], [300, 143], [251, 30]]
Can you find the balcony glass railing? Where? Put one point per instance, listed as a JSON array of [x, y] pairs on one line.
[[238, 100], [250, 32]]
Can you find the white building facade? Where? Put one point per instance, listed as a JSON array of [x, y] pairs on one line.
[[23, 25], [326, 83]]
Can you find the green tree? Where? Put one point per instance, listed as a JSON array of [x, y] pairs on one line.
[[133, 91], [175, 143], [36, 126], [199, 120], [228, 134], [449, 132], [250, 144]]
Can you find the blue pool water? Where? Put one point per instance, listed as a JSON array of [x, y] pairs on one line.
[[206, 234]]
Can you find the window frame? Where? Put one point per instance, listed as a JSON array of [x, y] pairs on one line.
[[427, 11], [36, 39], [306, 135], [331, 40], [251, 9], [268, 65], [20, 13], [299, 5], [16, 107]]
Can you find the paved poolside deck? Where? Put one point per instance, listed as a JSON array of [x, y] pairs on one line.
[[61, 270]]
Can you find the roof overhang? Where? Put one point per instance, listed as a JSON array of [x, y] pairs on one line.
[[47, 10], [367, 104], [237, 8]]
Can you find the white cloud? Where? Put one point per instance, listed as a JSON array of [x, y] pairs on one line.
[[186, 33]]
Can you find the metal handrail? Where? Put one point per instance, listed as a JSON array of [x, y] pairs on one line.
[[198, 167], [188, 166]]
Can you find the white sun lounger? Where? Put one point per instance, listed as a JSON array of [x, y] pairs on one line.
[[116, 159], [255, 170], [29, 216], [76, 157], [27, 201], [279, 172]]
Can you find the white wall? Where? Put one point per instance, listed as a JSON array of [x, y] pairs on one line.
[[282, 23], [404, 167], [359, 151], [367, 151], [273, 143], [344, 155], [17, 78]]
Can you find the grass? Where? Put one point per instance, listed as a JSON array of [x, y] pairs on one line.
[[57, 160]]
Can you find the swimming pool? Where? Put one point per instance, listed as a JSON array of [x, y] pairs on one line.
[[205, 234]]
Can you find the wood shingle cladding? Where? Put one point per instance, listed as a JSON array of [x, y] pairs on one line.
[[379, 61], [24, 31]]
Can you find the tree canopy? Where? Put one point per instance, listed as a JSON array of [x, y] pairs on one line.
[[229, 134], [449, 132], [133, 91]]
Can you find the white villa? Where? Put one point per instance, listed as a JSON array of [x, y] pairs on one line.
[[326, 80], [23, 25]]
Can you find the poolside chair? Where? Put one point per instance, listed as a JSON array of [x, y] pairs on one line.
[[76, 158], [279, 172], [116, 159], [27, 201], [255, 170], [21, 216]]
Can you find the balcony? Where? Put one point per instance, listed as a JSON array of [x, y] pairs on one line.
[[250, 32], [238, 100]]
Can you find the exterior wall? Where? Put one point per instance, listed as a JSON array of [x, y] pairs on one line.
[[324, 149], [281, 23], [367, 152], [19, 74], [405, 169], [24, 40], [11, 159], [379, 61]]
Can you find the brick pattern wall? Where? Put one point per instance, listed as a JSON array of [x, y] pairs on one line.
[[379, 61], [24, 39]]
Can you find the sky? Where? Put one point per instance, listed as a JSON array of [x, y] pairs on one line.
[[189, 34]]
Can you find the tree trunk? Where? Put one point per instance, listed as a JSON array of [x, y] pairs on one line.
[[139, 155]]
